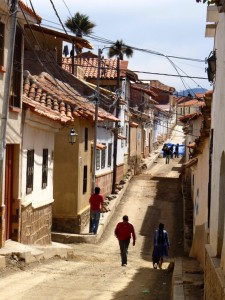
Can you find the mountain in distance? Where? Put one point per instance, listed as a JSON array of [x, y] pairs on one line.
[[190, 91]]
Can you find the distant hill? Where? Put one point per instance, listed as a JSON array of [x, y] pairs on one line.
[[190, 91]]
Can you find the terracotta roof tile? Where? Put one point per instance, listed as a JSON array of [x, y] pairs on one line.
[[90, 67], [57, 100], [23, 6], [192, 102], [190, 117]]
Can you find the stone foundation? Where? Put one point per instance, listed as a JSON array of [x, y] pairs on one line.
[[73, 225], [104, 181], [214, 277], [36, 225]]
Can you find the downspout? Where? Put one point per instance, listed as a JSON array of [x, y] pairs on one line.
[[8, 76]]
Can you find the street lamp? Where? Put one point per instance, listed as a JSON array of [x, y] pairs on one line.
[[72, 136], [211, 70]]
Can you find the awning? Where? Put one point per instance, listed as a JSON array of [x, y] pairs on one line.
[[191, 145], [190, 162], [133, 124], [121, 137], [99, 146]]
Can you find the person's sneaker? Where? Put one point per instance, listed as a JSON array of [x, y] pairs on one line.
[[155, 266], [124, 265]]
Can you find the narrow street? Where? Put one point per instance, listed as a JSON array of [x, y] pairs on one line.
[[95, 272]]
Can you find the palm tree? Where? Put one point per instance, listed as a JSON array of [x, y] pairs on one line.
[[79, 24], [119, 49]]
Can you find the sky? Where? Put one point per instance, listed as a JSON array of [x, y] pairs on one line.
[[169, 27]]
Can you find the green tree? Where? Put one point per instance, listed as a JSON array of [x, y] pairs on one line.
[[79, 24], [120, 49]]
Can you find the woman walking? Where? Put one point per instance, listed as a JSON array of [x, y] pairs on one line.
[[161, 246]]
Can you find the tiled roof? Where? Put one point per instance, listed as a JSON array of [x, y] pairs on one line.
[[163, 107], [143, 88], [58, 101], [23, 7], [90, 67], [190, 117], [161, 86], [193, 102]]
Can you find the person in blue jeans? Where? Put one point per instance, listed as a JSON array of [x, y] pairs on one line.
[[96, 205]]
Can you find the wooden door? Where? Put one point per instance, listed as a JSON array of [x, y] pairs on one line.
[[8, 190]]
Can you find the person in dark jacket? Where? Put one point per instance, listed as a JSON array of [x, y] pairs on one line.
[[161, 246], [123, 231]]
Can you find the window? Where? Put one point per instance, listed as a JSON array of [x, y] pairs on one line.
[[15, 94], [97, 159], [103, 158], [30, 171], [126, 135], [85, 139], [2, 42], [85, 180], [45, 168], [109, 154]]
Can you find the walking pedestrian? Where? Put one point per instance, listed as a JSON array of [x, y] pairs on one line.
[[96, 205], [171, 150], [164, 150], [123, 231], [168, 153], [161, 246], [176, 153]]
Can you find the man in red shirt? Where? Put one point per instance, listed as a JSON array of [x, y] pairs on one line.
[[96, 204], [123, 232]]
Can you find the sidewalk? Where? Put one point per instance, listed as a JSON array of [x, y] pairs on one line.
[[32, 253]]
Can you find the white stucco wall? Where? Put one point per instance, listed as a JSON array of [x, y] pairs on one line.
[[38, 135], [218, 124]]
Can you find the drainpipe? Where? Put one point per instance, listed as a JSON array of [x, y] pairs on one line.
[[116, 131], [8, 76]]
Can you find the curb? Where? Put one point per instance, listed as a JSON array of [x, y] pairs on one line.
[[177, 280], [67, 238]]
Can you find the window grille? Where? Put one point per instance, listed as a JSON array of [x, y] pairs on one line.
[[30, 171]]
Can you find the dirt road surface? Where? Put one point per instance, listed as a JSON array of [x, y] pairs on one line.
[[96, 272]]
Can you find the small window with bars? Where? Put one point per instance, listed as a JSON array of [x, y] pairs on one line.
[[97, 159], [45, 168], [109, 154], [86, 139], [85, 179], [103, 157], [30, 171], [126, 135], [2, 42]]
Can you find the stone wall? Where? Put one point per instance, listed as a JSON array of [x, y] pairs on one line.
[[119, 173], [36, 225], [73, 225], [104, 181], [214, 277]]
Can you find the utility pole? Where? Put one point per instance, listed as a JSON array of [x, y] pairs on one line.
[[97, 99], [96, 122], [5, 106], [116, 131]]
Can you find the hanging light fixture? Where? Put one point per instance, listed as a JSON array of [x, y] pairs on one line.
[[211, 70], [72, 136]]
